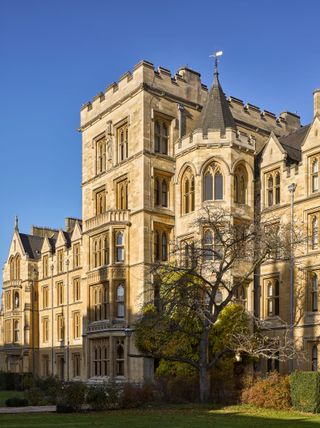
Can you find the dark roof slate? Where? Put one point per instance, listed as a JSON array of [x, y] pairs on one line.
[[292, 143], [31, 245], [216, 114]]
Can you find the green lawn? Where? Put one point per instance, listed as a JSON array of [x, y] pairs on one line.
[[176, 417], [9, 394]]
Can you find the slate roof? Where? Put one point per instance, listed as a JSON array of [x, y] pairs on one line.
[[32, 245], [216, 114], [292, 143]]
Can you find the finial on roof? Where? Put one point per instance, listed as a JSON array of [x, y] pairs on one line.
[[216, 55], [216, 114], [16, 223]]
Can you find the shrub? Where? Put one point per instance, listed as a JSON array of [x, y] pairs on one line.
[[134, 395], [16, 402], [36, 397], [10, 381], [270, 392], [113, 395], [71, 397], [305, 391], [27, 381], [179, 389], [51, 387], [97, 397]]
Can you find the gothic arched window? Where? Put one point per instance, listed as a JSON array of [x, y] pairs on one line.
[[164, 245], [12, 268], [314, 232], [218, 186], [16, 331], [16, 300], [164, 192], [208, 187], [208, 245], [161, 136], [156, 192], [213, 183], [156, 246], [240, 185], [270, 191], [120, 301], [314, 292], [277, 188], [119, 241], [315, 176], [187, 192], [120, 358]]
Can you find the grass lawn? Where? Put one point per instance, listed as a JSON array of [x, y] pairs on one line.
[[166, 417], [9, 394]]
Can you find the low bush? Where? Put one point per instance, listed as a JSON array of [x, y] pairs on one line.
[[36, 397], [51, 387], [16, 402], [72, 397], [135, 395], [270, 392], [179, 389], [97, 397], [305, 391]]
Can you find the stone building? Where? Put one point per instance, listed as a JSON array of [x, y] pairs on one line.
[[156, 149]]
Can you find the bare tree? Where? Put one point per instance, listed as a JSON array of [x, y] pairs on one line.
[[201, 279]]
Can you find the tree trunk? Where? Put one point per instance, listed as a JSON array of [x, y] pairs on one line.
[[204, 385], [204, 378]]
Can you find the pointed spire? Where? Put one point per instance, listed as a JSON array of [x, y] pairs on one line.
[[216, 114], [16, 223]]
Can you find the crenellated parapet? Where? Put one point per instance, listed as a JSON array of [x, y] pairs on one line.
[[214, 138], [185, 85], [264, 120]]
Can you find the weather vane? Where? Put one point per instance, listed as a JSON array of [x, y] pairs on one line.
[[216, 55]]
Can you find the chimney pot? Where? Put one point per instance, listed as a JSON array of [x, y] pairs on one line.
[[316, 101]]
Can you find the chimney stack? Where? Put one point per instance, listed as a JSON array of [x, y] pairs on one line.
[[316, 102]]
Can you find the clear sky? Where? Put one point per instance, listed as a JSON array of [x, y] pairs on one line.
[[57, 54]]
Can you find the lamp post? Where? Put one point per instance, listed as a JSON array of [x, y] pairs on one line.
[[292, 187]]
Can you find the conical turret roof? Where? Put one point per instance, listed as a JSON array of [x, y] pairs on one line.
[[216, 114]]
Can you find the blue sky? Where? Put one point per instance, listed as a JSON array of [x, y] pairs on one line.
[[55, 55]]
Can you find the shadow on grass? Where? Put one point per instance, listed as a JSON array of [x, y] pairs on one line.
[[172, 417]]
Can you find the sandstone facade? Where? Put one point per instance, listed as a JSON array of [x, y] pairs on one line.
[[150, 144]]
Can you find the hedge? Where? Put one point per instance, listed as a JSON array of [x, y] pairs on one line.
[[305, 391], [15, 381]]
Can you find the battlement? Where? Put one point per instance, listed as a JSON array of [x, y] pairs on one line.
[[215, 139], [265, 120], [185, 84]]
